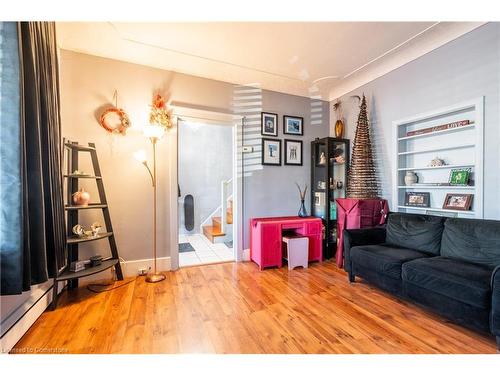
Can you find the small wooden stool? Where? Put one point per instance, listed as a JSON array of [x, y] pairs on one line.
[[297, 251]]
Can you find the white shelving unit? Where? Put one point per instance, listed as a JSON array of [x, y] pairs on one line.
[[460, 147]]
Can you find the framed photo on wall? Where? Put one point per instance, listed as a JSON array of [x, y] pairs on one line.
[[461, 202], [271, 151], [293, 152], [417, 199], [293, 125], [269, 124]]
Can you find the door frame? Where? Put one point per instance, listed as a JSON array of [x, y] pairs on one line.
[[183, 112]]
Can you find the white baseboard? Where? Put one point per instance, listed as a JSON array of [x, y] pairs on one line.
[[25, 315], [131, 268], [246, 255]]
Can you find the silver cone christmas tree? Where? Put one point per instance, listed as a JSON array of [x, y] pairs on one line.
[[362, 182]]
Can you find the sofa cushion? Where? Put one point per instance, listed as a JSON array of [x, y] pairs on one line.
[[472, 240], [462, 281], [419, 232], [386, 259]]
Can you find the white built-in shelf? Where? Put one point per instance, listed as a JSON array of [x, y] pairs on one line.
[[439, 132], [455, 147], [460, 147], [428, 187], [437, 210], [438, 167]]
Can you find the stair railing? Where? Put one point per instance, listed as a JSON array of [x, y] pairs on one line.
[[224, 198]]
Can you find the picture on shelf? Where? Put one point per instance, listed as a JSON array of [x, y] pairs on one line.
[[417, 199], [461, 202], [271, 151], [293, 125], [321, 185], [460, 176], [293, 152], [269, 124], [319, 199]]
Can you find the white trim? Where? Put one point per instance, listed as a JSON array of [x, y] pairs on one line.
[[26, 317], [181, 111], [476, 105]]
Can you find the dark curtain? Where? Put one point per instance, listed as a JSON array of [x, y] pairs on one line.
[[43, 231]]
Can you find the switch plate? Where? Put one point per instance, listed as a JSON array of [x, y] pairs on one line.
[[247, 149]]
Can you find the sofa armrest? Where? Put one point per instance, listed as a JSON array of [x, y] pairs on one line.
[[360, 237], [495, 302]]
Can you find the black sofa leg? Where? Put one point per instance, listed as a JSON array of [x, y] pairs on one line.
[[352, 279], [498, 343]]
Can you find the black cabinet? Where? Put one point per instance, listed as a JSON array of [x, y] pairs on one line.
[[329, 164]]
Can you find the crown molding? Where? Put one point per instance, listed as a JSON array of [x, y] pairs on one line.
[[433, 38]]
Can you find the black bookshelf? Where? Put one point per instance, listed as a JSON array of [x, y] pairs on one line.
[[328, 182]]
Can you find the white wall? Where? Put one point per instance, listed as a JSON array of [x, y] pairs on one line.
[[205, 159], [466, 68]]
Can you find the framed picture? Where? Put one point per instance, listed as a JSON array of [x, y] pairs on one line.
[[293, 152], [460, 176], [269, 124], [461, 202], [293, 125], [319, 199], [417, 199], [271, 151]]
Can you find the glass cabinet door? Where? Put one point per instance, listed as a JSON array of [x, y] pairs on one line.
[[330, 160]]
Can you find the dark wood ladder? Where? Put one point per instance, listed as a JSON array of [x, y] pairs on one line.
[[73, 241]]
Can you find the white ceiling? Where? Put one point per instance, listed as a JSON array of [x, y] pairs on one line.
[[326, 59]]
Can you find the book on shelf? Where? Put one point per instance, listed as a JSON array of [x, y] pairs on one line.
[[456, 124]]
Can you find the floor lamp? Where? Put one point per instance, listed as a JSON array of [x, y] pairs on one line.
[[154, 133]]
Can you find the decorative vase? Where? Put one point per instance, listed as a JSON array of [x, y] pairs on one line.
[[81, 198], [411, 178], [302, 210], [339, 129]]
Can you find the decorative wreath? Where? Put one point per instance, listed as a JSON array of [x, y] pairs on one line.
[[114, 119]]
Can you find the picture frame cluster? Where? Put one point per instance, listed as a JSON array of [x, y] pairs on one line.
[[271, 147]]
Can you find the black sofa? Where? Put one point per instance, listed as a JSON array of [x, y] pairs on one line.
[[450, 265]]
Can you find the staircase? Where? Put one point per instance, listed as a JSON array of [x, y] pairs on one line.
[[218, 229]]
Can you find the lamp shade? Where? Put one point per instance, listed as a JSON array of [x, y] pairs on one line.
[[153, 131], [140, 156]]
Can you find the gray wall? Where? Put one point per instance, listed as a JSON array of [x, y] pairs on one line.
[[466, 68], [271, 191], [205, 159]]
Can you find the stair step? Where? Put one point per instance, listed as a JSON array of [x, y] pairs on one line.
[[229, 216], [216, 223], [210, 232]]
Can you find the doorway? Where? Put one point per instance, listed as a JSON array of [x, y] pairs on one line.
[[205, 168]]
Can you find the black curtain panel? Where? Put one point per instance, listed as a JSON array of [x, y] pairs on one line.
[[43, 234]]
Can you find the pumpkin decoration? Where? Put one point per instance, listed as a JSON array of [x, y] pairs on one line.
[[159, 114], [81, 198], [114, 119]]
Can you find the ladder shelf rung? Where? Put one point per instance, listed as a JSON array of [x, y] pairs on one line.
[[68, 275], [78, 147], [88, 207], [75, 239], [82, 176]]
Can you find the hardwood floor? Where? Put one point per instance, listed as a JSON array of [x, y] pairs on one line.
[[235, 308]]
